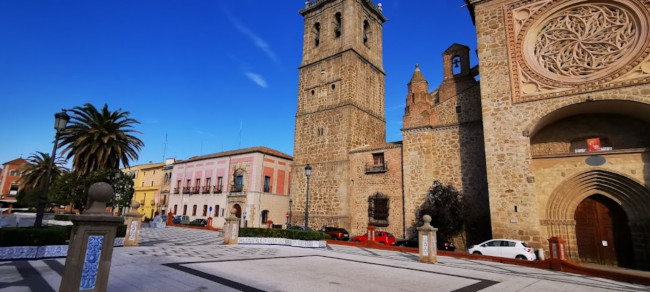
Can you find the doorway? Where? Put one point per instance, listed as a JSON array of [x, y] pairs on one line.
[[602, 231]]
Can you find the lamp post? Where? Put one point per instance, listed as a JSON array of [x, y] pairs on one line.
[[308, 174], [60, 121]]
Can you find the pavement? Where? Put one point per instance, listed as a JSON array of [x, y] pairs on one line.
[[181, 259]]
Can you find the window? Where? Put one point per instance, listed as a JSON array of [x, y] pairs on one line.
[[316, 34], [378, 158], [13, 189], [378, 210], [239, 183], [14, 173], [194, 210], [178, 183], [152, 183], [216, 210], [337, 29], [366, 31], [197, 183], [207, 181], [267, 184], [205, 210], [219, 184], [175, 208], [143, 184], [184, 209]]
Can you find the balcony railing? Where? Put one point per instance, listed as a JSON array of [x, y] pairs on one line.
[[377, 168], [237, 188], [195, 190], [177, 190], [187, 190], [205, 189], [217, 189]]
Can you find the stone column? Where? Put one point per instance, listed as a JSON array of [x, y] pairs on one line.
[[231, 230], [88, 262], [133, 225], [427, 239]]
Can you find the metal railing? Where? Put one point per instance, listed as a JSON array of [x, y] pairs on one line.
[[375, 168]]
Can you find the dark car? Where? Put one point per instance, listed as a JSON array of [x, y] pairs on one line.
[[413, 242], [336, 233], [199, 222], [298, 227], [181, 219]]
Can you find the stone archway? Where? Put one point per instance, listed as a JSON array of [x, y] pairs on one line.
[[618, 191]]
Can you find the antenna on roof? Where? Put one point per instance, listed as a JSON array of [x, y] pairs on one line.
[[164, 147]]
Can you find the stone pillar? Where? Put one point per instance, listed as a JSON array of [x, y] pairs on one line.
[[427, 239], [371, 233], [133, 225], [88, 262], [231, 230]]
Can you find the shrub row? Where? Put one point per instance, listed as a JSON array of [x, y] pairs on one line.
[[283, 233], [50, 235], [62, 217]]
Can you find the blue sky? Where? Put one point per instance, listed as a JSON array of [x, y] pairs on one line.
[[210, 76]]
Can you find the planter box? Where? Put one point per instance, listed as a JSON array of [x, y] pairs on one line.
[[39, 252], [282, 241]]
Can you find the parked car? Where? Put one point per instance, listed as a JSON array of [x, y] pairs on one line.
[[199, 222], [181, 219], [336, 233], [298, 227], [381, 237], [506, 248], [414, 242]]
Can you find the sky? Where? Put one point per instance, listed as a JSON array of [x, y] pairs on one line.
[[200, 76]]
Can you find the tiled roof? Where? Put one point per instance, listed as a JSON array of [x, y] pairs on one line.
[[16, 161], [260, 149]]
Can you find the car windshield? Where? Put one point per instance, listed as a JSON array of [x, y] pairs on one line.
[[524, 244]]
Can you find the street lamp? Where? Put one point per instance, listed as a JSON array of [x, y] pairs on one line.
[[308, 174], [60, 121]]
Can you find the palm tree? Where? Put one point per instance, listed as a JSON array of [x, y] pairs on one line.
[[35, 173], [100, 139]]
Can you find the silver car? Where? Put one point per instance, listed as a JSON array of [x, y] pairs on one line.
[[506, 248]]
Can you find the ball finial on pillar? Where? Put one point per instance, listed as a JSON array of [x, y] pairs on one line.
[[99, 194]]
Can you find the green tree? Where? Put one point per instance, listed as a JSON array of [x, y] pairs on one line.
[[35, 173], [99, 139], [73, 189], [445, 206], [68, 190]]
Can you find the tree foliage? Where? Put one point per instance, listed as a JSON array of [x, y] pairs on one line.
[[445, 206], [99, 139], [35, 172], [73, 189]]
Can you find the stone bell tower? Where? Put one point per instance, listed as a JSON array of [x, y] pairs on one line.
[[340, 104]]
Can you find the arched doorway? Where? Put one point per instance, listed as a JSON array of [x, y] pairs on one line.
[[237, 210], [602, 232]]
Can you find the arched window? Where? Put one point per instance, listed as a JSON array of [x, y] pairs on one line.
[[366, 31], [216, 210], [337, 28], [194, 210], [455, 65], [378, 208], [316, 34]]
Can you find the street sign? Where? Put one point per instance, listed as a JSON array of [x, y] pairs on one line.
[[210, 209]]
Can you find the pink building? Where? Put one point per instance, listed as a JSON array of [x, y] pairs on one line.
[[254, 181]]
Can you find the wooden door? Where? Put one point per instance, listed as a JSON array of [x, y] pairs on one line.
[[594, 231]]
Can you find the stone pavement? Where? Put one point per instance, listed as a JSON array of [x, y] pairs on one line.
[[180, 259]]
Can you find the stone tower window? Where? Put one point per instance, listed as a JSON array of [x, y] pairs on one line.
[[366, 30], [455, 62], [316, 34], [378, 210], [337, 29]]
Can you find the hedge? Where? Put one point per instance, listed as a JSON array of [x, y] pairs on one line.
[[62, 217], [49, 235], [283, 233]]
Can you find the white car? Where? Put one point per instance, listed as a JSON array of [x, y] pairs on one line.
[[506, 248]]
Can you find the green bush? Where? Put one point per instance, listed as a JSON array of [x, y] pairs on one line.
[[121, 230], [283, 233], [32, 236], [62, 217], [195, 224]]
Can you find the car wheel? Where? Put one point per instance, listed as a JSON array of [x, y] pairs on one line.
[[382, 243], [521, 257], [477, 252]]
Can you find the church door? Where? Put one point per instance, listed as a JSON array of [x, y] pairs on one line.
[[602, 233]]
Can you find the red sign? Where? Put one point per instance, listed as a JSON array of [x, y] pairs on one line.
[[593, 144], [286, 215]]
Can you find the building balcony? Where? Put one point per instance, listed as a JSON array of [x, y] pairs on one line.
[[217, 189], [195, 190], [377, 168], [205, 189], [187, 190], [236, 188], [177, 190]]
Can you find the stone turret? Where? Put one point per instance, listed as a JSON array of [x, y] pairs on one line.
[[418, 110]]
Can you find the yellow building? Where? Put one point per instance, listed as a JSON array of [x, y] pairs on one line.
[[147, 182]]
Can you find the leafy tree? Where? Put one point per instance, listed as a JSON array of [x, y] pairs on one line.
[[73, 189], [445, 206], [99, 139], [35, 172]]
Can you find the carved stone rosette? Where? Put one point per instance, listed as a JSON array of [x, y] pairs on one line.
[[560, 47]]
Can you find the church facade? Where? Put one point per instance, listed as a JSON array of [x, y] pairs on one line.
[[553, 141]]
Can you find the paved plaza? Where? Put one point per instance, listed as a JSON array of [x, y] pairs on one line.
[[180, 259]]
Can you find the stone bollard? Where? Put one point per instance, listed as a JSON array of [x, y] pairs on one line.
[[427, 239], [88, 262], [170, 218], [371, 233], [231, 230], [133, 225]]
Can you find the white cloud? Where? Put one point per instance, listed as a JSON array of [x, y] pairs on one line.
[[257, 41], [259, 80]]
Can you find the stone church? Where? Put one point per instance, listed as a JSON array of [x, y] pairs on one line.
[[554, 140]]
